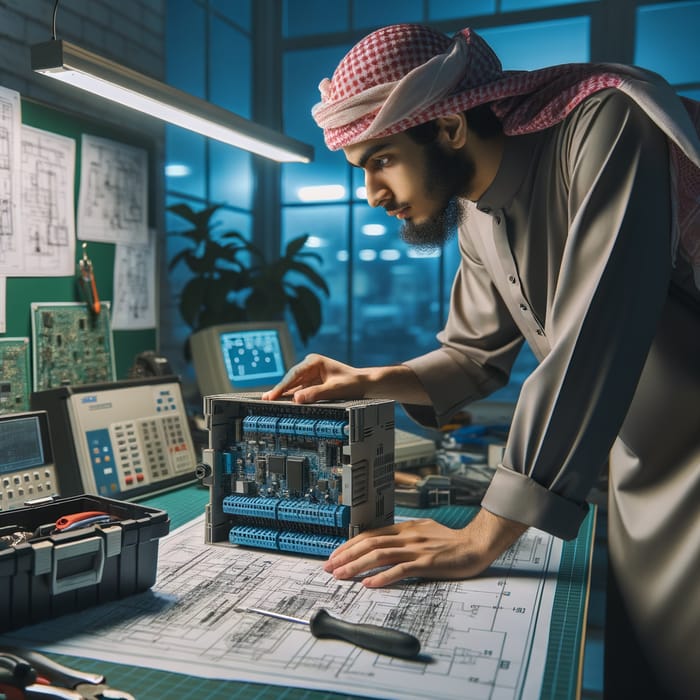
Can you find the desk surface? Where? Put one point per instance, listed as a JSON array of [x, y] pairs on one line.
[[562, 677]]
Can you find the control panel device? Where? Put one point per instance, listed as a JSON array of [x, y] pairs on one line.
[[119, 439], [27, 469], [293, 477]]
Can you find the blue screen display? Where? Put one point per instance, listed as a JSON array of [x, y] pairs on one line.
[[20, 444], [252, 358]]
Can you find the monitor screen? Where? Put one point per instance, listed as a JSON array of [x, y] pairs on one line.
[[252, 358], [236, 357], [21, 443]]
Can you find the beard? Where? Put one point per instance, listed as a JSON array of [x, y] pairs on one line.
[[445, 176]]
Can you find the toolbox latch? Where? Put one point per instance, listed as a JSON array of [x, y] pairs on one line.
[[77, 564]]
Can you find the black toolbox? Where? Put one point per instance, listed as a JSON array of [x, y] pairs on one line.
[[45, 572]]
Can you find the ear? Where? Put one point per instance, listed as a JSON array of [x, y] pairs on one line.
[[452, 130]]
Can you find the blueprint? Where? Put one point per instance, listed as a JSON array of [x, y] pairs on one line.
[[481, 638], [113, 201], [10, 124], [48, 214], [134, 294]]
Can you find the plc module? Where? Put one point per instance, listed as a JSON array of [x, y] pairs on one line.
[[297, 478]]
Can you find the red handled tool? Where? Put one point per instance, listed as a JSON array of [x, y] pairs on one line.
[[87, 282], [83, 519]]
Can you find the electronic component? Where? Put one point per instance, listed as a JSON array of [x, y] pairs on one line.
[[119, 438], [241, 356], [297, 478], [15, 377], [413, 451], [71, 345], [27, 468]]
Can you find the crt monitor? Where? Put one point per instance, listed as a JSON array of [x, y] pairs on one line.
[[236, 357]]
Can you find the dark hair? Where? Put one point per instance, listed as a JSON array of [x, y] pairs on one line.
[[480, 119]]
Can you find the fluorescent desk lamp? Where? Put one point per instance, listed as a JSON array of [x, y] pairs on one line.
[[71, 64]]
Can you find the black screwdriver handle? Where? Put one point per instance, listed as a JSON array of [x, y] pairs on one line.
[[372, 637]]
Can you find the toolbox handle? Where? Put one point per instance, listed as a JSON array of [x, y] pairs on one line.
[[91, 548]]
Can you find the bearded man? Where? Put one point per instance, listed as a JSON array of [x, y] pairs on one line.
[[576, 194]]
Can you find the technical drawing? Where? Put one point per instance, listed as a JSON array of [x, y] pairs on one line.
[[10, 240], [113, 202], [134, 298], [481, 638], [48, 216]]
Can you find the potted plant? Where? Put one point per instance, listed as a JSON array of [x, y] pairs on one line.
[[232, 281]]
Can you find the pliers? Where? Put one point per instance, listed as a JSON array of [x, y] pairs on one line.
[[37, 677]]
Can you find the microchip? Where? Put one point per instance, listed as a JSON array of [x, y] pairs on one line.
[[276, 464], [297, 474]]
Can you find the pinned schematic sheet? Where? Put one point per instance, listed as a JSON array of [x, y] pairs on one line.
[[482, 638], [134, 295], [10, 125], [48, 214], [113, 201]]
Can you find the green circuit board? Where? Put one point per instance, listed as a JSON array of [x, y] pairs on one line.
[[15, 375], [71, 345]]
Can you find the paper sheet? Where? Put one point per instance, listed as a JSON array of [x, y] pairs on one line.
[[134, 293], [481, 638], [10, 125], [48, 214], [113, 201]]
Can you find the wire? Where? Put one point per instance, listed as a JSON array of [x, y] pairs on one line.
[[53, 20]]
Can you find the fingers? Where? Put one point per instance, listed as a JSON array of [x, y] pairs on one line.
[[297, 378], [414, 548], [317, 378], [389, 546]]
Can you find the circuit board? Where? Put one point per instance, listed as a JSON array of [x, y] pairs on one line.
[[15, 377], [71, 345], [298, 478]]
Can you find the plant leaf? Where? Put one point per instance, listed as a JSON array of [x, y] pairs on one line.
[[306, 310], [311, 274], [295, 245]]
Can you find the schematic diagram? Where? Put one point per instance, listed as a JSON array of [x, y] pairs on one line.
[[481, 638], [113, 202], [134, 297], [48, 216], [10, 121]]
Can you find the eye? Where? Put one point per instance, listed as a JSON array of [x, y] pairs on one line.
[[381, 162]]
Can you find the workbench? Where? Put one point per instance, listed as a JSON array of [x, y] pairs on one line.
[[562, 677]]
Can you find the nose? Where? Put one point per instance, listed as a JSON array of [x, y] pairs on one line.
[[377, 191]]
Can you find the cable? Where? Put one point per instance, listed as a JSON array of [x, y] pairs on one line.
[[53, 20]]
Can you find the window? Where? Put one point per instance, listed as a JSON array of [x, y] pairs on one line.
[[398, 299], [208, 55]]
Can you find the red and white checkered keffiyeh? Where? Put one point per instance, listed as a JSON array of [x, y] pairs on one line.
[[408, 74]]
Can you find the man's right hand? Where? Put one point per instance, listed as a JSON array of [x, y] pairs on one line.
[[318, 377]]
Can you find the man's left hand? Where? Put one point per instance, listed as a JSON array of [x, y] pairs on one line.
[[424, 548]]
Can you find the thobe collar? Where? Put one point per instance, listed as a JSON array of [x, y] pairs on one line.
[[517, 157]]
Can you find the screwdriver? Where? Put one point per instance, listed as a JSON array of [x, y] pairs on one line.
[[373, 637]]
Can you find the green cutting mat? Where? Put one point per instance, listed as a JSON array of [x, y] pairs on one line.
[[566, 631]]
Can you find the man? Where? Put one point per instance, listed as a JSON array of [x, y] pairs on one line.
[[575, 190]]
